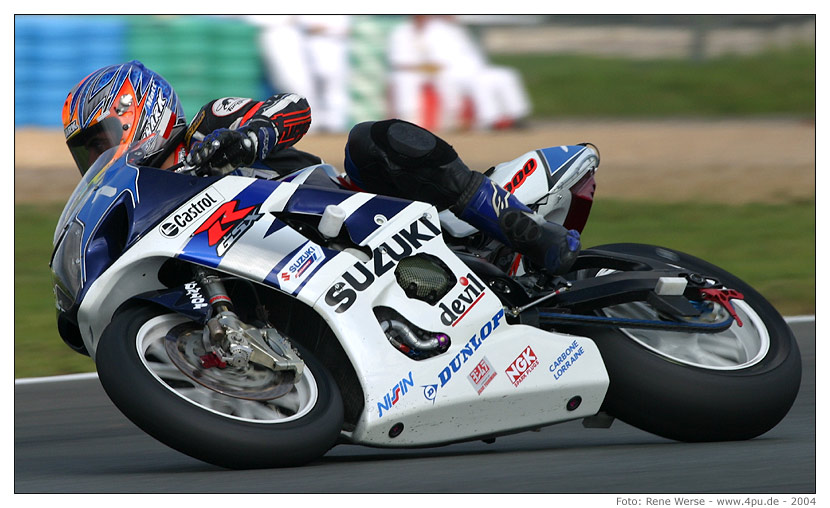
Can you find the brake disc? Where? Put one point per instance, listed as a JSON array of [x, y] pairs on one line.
[[187, 351]]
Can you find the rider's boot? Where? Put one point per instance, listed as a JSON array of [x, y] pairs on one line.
[[496, 211], [397, 158]]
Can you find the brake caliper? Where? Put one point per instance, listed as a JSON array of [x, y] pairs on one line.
[[722, 296], [211, 360]]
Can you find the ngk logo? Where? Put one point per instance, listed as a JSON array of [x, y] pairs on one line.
[[522, 366]]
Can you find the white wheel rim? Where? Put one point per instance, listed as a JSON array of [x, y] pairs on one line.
[[735, 348], [150, 347]]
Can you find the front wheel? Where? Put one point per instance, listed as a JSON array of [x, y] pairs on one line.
[[732, 385], [137, 374]]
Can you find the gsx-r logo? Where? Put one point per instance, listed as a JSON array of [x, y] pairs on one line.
[[227, 225]]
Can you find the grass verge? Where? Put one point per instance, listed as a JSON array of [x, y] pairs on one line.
[[38, 349], [772, 83], [771, 247]]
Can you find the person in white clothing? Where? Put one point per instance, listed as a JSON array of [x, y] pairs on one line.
[[416, 61], [283, 48], [438, 51], [326, 38]]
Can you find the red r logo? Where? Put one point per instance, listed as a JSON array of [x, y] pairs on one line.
[[222, 221]]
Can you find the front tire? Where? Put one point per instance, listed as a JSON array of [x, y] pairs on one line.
[[145, 385], [727, 390]]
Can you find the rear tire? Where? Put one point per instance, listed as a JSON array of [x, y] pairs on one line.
[[661, 393], [230, 432]]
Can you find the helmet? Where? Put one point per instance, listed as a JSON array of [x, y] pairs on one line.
[[118, 105]]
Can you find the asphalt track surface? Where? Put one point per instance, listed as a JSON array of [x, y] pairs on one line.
[[69, 438]]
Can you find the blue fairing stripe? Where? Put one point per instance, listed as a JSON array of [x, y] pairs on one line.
[[557, 161], [275, 226], [199, 251], [361, 223], [313, 200]]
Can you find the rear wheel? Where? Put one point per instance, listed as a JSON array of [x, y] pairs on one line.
[[142, 381], [735, 384]]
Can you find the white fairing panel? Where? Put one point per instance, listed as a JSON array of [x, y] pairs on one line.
[[543, 178], [494, 377]]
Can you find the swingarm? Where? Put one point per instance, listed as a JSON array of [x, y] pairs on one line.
[[684, 301]]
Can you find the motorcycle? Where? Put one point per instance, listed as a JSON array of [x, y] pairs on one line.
[[257, 323]]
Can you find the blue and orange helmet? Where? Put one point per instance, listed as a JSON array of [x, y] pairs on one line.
[[118, 105]]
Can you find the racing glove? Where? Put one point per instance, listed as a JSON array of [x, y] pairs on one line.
[[277, 123], [224, 150]]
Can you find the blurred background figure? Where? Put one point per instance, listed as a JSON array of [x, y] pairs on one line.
[[327, 44], [256, 56], [415, 62], [436, 55], [283, 47]]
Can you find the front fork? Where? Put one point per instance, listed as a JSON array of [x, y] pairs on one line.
[[231, 342]]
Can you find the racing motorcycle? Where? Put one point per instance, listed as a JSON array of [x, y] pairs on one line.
[[256, 323]]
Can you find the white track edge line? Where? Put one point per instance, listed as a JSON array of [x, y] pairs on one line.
[[54, 379], [800, 319]]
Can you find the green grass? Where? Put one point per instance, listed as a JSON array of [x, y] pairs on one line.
[[38, 349], [772, 83], [770, 246]]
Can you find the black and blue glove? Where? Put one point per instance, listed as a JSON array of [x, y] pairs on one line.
[[223, 150]]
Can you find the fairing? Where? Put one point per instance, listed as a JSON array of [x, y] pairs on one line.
[[495, 376]]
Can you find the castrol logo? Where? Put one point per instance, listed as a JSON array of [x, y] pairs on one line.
[[194, 209]]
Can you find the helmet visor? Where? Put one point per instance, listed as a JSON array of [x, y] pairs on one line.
[[87, 146]]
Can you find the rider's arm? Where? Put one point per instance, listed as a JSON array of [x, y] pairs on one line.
[[230, 132], [277, 123]]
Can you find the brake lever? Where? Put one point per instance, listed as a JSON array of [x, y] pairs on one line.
[[182, 167]]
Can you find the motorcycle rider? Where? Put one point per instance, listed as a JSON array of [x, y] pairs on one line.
[[120, 104]]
